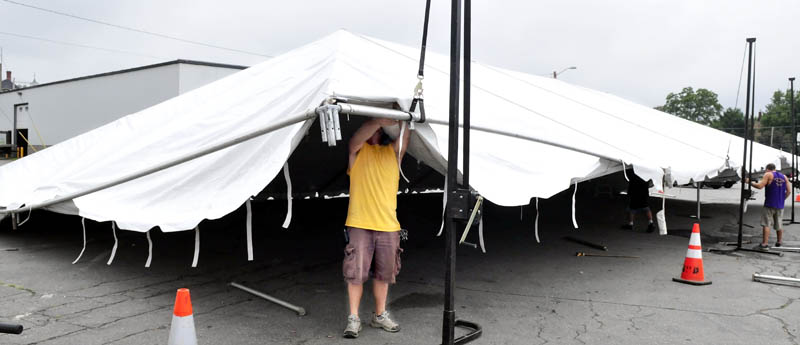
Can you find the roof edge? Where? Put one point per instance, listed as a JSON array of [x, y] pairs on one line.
[[134, 69]]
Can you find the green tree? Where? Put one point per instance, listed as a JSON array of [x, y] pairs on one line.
[[731, 121], [701, 106], [776, 114]]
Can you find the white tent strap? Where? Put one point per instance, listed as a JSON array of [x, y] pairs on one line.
[[574, 222], [288, 219], [536, 222], [83, 225], [249, 230], [400, 151], [149, 250], [625, 173], [196, 246], [116, 243], [444, 206], [480, 235]]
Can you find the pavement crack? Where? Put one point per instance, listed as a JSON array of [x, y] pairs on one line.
[[595, 315]]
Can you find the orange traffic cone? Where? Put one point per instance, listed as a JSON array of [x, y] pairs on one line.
[[797, 198], [181, 331], [693, 265]]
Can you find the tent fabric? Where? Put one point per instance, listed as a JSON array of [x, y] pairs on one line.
[[506, 170]]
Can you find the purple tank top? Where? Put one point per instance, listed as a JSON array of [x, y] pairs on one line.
[[776, 191]]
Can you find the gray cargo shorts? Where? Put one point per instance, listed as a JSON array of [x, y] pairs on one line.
[[366, 244], [772, 218]]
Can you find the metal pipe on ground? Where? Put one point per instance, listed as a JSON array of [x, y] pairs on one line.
[[768, 278], [299, 310], [10, 328]]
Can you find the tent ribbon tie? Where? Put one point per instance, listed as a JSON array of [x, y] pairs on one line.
[[83, 225], [624, 173], [400, 151], [288, 219], [480, 235], [196, 246], [574, 222], [536, 222], [149, 250], [116, 243], [444, 208], [249, 230]]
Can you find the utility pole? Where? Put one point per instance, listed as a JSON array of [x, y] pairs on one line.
[[794, 141]]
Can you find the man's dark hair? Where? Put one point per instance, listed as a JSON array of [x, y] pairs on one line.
[[770, 166]]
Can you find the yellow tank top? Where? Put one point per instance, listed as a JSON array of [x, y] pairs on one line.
[[374, 179]]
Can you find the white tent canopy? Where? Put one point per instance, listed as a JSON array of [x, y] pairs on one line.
[[508, 171]]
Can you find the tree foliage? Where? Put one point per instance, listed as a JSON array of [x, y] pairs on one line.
[[701, 106], [731, 121], [776, 114]]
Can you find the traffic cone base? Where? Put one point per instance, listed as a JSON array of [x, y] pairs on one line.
[[692, 272], [181, 331], [691, 282]]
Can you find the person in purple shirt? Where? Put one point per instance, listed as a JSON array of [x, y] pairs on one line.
[[778, 189]]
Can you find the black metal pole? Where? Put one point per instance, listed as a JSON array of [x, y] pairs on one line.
[[752, 118], [467, 76], [794, 140], [743, 199], [449, 315], [14, 133], [424, 39]]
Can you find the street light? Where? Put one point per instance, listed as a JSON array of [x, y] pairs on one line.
[[555, 74]]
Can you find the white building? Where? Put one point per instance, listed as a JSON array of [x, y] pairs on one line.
[[54, 112]]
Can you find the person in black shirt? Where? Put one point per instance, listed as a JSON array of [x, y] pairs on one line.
[[638, 194]]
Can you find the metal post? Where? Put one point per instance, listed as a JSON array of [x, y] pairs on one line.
[[772, 136], [698, 202], [449, 316], [742, 198], [794, 140]]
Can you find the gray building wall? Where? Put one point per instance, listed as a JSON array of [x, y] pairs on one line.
[[62, 110]]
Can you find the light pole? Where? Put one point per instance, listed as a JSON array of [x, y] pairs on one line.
[[555, 74]]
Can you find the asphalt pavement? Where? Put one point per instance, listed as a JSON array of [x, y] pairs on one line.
[[519, 291]]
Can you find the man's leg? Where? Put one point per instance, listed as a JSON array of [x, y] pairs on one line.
[[778, 220], [650, 226], [354, 292], [387, 265], [765, 236], [380, 289]]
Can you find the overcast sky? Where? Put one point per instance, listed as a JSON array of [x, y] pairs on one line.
[[637, 49]]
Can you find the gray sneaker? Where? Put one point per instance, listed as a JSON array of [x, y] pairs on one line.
[[353, 327], [383, 321]]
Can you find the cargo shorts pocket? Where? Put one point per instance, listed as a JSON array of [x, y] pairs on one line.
[[397, 261], [349, 264]]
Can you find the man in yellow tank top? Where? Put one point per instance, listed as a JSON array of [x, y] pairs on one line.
[[372, 224]]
